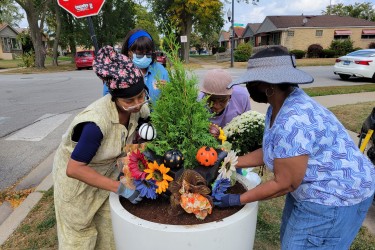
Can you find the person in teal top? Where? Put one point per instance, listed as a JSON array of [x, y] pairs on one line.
[[140, 48]]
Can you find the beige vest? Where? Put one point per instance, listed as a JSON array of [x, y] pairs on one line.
[[104, 114]]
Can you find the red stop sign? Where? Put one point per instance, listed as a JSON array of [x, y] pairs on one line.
[[82, 8]]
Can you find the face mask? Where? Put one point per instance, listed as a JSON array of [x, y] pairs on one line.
[[256, 94], [143, 62]]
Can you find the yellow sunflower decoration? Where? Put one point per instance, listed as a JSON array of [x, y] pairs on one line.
[[159, 174]]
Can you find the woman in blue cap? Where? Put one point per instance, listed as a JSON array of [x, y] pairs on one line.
[[329, 184], [140, 48]]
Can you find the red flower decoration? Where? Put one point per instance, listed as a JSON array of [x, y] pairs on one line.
[[137, 165]]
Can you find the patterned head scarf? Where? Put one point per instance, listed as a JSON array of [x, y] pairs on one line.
[[121, 76]]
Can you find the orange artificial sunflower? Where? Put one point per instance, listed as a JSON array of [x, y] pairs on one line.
[[159, 174]]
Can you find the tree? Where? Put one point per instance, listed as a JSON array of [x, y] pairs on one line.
[[184, 14], [9, 13], [35, 13], [145, 20], [358, 10]]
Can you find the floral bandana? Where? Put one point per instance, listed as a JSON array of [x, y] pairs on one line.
[[118, 72]]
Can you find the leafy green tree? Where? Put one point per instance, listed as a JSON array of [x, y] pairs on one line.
[[36, 13], [9, 13], [186, 14], [145, 20], [358, 10]]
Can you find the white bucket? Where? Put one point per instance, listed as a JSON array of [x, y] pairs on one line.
[[234, 232]]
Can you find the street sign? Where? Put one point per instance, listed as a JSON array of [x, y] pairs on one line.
[[183, 39], [81, 8], [238, 25]]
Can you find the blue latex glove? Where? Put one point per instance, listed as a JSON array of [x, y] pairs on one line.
[[132, 195], [228, 200]]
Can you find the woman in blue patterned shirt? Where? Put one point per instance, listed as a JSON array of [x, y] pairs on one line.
[[329, 184]]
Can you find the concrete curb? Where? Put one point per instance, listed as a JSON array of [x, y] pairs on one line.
[[17, 215]]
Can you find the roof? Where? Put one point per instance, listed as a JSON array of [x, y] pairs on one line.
[[4, 25], [318, 21], [254, 26], [238, 31], [224, 36]]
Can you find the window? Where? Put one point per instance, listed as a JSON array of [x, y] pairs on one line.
[[15, 44], [337, 37], [291, 33], [342, 34], [319, 33], [8, 44], [368, 34]]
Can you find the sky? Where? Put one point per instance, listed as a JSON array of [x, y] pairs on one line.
[[249, 13]]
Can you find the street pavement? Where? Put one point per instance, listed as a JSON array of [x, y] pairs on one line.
[[41, 177]]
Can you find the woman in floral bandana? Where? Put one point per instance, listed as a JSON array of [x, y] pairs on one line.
[[84, 169]]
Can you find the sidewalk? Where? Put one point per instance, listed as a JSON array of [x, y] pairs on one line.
[[41, 176]]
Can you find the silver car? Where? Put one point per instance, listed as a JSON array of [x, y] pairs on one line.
[[360, 63]]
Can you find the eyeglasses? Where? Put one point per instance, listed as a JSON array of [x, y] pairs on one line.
[[132, 108], [139, 56]]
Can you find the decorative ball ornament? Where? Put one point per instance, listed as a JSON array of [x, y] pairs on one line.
[[206, 156], [173, 159], [147, 131]]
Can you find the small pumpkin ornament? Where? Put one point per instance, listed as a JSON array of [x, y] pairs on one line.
[[206, 156], [173, 159], [147, 131]]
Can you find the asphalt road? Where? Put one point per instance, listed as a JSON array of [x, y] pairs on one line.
[[36, 109]]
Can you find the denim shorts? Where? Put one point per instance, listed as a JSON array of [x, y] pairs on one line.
[[307, 225]]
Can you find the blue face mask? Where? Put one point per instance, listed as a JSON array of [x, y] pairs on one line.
[[143, 62]]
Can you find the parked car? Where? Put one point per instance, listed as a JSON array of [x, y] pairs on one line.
[[84, 59], [161, 58], [360, 63]]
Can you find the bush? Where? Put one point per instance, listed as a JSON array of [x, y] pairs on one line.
[[221, 49], [28, 59], [357, 48], [243, 52], [298, 53], [342, 47], [328, 53], [314, 51], [371, 45]]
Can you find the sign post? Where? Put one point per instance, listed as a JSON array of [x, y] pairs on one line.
[[84, 8]]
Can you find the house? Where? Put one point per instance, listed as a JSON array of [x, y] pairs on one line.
[[249, 33], [9, 43], [224, 39], [299, 32]]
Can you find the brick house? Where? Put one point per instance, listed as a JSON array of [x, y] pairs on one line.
[[298, 32], [9, 45], [248, 34]]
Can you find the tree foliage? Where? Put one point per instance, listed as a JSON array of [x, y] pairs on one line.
[[9, 13], [202, 15], [358, 10]]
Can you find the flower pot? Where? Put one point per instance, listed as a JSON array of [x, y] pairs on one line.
[[234, 232]]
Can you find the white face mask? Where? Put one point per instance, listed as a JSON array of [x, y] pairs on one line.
[[143, 62]]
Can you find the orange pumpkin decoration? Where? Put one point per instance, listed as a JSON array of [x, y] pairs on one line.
[[206, 156]]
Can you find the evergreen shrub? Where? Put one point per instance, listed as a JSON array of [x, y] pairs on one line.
[[328, 53], [342, 47], [181, 121]]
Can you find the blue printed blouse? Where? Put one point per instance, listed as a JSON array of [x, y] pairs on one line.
[[337, 174]]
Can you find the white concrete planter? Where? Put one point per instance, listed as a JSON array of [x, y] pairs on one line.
[[234, 232]]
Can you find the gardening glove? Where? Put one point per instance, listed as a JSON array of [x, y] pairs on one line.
[[228, 200], [132, 195]]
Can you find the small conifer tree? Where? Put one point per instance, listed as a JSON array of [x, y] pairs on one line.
[[181, 121]]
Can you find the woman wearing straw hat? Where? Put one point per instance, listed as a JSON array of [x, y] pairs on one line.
[[224, 103], [140, 48], [329, 184], [84, 165]]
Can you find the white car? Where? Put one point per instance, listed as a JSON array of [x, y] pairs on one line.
[[360, 63]]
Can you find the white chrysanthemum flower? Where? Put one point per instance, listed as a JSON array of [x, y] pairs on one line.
[[228, 167]]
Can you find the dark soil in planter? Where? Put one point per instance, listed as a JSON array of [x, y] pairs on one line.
[[157, 210]]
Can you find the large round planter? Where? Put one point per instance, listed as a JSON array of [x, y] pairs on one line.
[[234, 232]]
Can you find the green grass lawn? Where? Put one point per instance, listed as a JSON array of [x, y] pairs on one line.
[[9, 64]]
